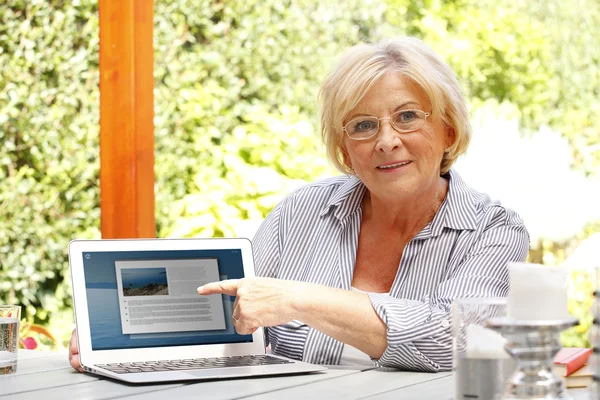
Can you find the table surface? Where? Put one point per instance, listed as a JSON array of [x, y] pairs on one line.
[[48, 375]]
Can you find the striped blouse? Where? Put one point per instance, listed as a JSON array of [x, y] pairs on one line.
[[312, 236]]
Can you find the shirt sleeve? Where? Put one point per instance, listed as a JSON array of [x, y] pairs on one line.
[[266, 245], [419, 335]]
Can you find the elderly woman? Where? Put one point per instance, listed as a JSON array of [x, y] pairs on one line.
[[363, 268]]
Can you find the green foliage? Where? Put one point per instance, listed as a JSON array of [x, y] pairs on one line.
[[573, 105], [247, 174], [581, 289], [49, 141]]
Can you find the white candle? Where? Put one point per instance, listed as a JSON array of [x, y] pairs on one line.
[[537, 293]]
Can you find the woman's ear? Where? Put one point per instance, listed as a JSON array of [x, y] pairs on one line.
[[346, 158], [450, 136]]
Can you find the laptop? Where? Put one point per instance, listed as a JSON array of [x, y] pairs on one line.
[[139, 318]]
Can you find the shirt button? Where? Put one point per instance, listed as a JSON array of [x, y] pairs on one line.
[[445, 323]]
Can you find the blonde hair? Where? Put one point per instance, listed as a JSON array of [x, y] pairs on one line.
[[363, 65]]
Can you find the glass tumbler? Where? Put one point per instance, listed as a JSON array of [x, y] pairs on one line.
[[10, 315], [480, 363]]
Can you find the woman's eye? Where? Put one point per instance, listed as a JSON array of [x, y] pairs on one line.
[[406, 116], [364, 126]]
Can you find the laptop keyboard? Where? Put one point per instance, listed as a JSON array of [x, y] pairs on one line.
[[196, 363]]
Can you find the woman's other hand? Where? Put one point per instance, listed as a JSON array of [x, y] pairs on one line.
[[74, 352]]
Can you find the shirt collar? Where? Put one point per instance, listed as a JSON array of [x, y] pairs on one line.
[[347, 199], [459, 209]]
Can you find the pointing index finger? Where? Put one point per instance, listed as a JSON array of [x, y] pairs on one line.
[[228, 287]]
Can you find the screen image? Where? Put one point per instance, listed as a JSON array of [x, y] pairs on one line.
[[144, 282], [148, 298]]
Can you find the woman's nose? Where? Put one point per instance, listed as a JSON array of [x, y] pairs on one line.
[[387, 137]]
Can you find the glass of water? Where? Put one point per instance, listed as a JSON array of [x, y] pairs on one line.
[[9, 338], [480, 363]]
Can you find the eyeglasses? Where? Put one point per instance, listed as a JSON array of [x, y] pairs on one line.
[[402, 121]]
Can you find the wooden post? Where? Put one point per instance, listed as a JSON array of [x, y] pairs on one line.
[[126, 119]]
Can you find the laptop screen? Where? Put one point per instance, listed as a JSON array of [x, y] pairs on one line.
[[148, 298]]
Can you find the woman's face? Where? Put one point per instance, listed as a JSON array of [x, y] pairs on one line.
[[391, 163]]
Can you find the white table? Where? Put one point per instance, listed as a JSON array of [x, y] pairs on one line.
[[48, 375]]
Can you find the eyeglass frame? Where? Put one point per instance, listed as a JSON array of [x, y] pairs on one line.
[[427, 114]]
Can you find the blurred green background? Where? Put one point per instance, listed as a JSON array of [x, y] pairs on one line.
[[236, 116]]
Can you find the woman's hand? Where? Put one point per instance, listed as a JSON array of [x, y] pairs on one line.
[[259, 301], [74, 352]]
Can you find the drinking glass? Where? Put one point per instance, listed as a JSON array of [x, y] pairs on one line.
[[480, 363], [10, 316]]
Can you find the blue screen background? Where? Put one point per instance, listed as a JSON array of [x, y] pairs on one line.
[[103, 300]]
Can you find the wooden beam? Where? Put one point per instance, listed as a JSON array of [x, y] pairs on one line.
[[126, 119]]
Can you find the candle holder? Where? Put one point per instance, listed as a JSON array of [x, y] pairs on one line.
[[533, 345]]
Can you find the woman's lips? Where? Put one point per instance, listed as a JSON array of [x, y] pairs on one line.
[[393, 166]]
